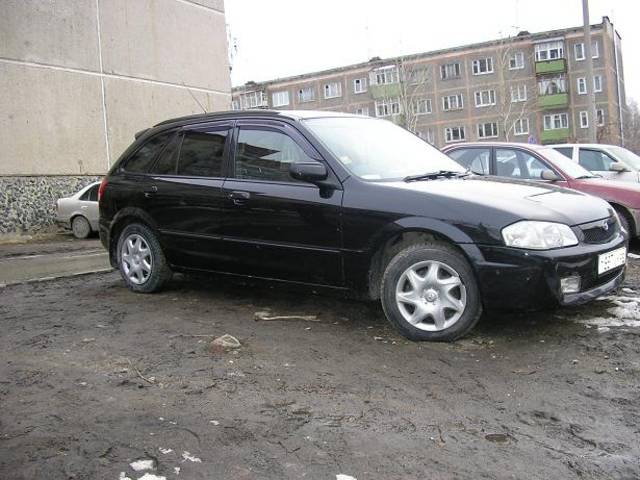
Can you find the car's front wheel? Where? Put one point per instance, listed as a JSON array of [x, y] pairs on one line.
[[141, 260], [429, 292]]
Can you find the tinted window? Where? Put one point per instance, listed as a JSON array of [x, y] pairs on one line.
[[266, 155], [518, 164], [595, 160], [90, 195], [140, 161], [566, 151], [474, 159], [167, 161], [202, 153]]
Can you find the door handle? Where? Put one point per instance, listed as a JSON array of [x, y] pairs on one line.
[[239, 197], [148, 193]]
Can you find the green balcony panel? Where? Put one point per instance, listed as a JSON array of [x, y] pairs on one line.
[[554, 136], [558, 65], [557, 100], [385, 91]]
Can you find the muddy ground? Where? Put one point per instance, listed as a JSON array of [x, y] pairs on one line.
[[93, 378]]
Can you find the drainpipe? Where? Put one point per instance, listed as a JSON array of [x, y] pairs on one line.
[[591, 96]]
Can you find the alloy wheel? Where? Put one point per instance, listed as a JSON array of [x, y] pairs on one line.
[[136, 259]]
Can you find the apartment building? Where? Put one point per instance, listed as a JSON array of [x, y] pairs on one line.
[[527, 88]]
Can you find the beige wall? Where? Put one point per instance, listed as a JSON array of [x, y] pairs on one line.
[[79, 78]]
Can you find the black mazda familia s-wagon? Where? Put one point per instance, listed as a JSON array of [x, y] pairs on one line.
[[351, 203]]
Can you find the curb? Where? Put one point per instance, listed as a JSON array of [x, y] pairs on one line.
[[55, 277]]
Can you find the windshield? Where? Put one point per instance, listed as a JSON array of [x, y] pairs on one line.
[[377, 149], [568, 166], [627, 156]]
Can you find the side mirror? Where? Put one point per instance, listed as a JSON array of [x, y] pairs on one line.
[[549, 175], [312, 172], [618, 167]]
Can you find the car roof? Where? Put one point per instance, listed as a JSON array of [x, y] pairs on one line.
[[232, 114], [587, 145], [530, 146]]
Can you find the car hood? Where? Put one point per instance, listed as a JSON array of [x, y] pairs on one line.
[[626, 193], [516, 200]]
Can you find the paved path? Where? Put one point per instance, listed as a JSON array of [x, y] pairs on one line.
[[33, 267]]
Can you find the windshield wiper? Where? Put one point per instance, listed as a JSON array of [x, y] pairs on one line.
[[436, 174]]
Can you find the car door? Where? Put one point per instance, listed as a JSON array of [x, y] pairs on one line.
[[276, 226], [89, 206], [596, 161], [184, 195], [520, 164]]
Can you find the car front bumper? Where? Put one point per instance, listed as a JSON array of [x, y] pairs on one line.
[[517, 278]]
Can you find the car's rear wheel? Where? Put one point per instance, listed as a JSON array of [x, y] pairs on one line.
[[429, 292], [141, 260], [80, 227]]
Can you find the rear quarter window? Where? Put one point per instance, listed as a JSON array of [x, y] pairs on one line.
[[566, 151], [143, 158]]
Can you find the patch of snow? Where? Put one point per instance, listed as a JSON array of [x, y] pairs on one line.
[[342, 476], [633, 255], [123, 476], [187, 456], [610, 322], [177, 470], [151, 476], [214, 422], [139, 465], [164, 451]]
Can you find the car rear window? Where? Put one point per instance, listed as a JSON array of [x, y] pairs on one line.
[[140, 161]]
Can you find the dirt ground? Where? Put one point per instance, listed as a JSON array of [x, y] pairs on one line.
[[94, 378]]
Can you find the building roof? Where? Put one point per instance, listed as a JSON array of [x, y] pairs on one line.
[[377, 61]]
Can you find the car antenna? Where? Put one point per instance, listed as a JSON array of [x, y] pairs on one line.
[[194, 98]]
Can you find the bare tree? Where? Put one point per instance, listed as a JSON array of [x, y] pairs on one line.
[[631, 125]]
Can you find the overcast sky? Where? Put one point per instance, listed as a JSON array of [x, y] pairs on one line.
[[277, 38]]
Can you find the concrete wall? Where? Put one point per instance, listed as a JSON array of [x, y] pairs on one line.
[[79, 78]]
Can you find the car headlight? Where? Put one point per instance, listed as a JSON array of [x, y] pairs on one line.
[[538, 235]]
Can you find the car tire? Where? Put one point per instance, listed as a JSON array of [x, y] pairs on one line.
[[80, 227], [429, 293], [141, 260]]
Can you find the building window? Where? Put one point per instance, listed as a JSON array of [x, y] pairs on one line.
[[584, 119], [482, 66], [600, 117], [454, 134], [384, 75], [235, 104], [422, 106], [362, 111], [582, 85], [427, 136], [516, 61], [521, 126], [333, 90], [254, 99], [360, 85], [484, 98], [488, 130], [452, 102], [518, 93], [552, 85], [450, 70], [556, 121], [280, 99], [597, 83], [578, 50], [387, 108], [418, 76], [549, 50], [306, 94]]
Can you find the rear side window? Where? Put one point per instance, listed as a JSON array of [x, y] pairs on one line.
[[566, 151], [202, 154], [140, 161], [90, 195], [167, 161]]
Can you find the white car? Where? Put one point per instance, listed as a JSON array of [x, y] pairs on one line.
[[608, 161], [79, 212]]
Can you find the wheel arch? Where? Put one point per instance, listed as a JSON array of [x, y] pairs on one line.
[[624, 210], [410, 232], [123, 218]]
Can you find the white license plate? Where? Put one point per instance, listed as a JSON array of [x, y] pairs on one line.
[[610, 260]]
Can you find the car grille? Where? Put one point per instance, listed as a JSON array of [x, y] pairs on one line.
[[601, 231]]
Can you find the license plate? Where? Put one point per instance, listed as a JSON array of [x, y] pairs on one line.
[[610, 260]]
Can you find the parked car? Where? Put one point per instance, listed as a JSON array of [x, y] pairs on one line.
[[79, 212], [608, 161], [523, 161], [355, 204]]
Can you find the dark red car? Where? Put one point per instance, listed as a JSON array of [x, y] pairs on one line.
[[523, 161]]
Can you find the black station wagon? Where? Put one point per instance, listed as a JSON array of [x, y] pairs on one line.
[[351, 203]]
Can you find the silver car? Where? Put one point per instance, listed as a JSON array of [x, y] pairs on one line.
[[79, 212], [608, 161]]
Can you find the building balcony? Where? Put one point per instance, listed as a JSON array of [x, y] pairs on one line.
[[556, 100], [559, 65], [389, 90], [554, 136]]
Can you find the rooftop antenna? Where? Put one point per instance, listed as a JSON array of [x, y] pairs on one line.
[[194, 98]]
